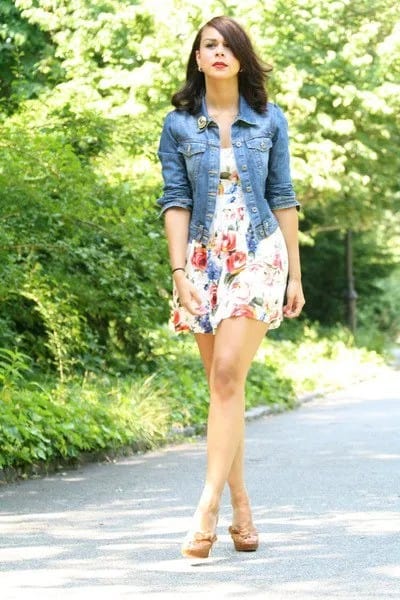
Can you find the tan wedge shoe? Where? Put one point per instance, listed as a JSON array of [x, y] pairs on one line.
[[198, 545], [244, 539]]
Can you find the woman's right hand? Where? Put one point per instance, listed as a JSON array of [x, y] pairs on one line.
[[189, 297]]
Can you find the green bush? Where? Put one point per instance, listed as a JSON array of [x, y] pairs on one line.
[[50, 423], [80, 284]]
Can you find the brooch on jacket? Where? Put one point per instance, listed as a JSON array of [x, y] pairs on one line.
[[201, 122]]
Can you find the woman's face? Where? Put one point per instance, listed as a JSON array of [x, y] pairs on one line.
[[214, 57]]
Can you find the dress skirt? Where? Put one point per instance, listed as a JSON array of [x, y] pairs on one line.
[[235, 274]]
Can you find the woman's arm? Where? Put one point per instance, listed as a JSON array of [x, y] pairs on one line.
[[289, 224], [176, 204], [177, 229]]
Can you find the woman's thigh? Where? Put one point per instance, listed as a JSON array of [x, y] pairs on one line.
[[205, 343], [236, 342]]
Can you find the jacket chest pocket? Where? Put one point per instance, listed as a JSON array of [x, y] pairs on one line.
[[259, 148], [193, 153]]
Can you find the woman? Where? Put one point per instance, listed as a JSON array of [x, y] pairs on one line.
[[232, 228]]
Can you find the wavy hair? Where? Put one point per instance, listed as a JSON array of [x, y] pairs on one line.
[[252, 76]]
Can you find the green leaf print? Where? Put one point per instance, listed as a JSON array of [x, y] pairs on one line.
[[257, 301], [229, 277]]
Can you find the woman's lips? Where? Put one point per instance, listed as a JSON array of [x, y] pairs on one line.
[[219, 65]]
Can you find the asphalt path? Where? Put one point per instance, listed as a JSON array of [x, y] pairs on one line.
[[325, 485]]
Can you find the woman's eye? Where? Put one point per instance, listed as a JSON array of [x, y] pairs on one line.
[[210, 45]]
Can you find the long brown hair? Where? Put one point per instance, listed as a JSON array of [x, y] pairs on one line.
[[252, 75]]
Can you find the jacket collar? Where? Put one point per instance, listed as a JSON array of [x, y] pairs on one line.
[[246, 114]]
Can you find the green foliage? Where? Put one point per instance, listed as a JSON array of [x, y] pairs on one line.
[[76, 245], [14, 366], [336, 75], [60, 422], [324, 276], [379, 318], [27, 62], [316, 357]]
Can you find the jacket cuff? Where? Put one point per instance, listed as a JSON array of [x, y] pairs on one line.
[[283, 202], [185, 203]]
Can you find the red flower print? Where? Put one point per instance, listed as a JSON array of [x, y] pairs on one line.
[[240, 211], [228, 243], [244, 310], [199, 258], [178, 325], [241, 290], [236, 261], [277, 262], [213, 295]]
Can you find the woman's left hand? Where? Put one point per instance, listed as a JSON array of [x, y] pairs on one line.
[[294, 299]]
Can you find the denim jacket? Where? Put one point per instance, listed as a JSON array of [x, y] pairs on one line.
[[189, 152]]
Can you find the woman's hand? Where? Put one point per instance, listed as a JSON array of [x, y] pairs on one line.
[[189, 297], [294, 299]]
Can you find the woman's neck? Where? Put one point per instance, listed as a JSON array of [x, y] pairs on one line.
[[222, 96]]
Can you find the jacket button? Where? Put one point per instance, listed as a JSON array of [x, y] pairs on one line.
[[248, 188], [238, 144], [254, 209], [244, 168]]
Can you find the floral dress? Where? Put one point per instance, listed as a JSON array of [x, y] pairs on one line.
[[235, 274]]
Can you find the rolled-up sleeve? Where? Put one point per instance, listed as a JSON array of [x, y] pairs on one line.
[[279, 191], [177, 190]]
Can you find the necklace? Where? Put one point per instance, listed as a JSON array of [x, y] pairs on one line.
[[223, 112], [227, 112], [223, 115]]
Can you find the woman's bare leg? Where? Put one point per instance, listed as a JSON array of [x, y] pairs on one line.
[[205, 342], [234, 346]]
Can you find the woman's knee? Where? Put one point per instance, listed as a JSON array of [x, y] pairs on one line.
[[226, 379]]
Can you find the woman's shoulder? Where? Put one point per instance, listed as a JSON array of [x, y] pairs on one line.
[[178, 116], [274, 109], [277, 116], [180, 124], [272, 115]]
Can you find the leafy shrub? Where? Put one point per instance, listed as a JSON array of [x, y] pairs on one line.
[[14, 366], [80, 283], [60, 422], [322, 358]]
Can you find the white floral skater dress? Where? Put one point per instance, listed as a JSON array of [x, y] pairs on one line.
[[235, 274]]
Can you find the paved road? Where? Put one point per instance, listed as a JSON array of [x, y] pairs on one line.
[[325, 483]]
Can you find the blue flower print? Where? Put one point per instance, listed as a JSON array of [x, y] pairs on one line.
[[251, 240], [213, 269]]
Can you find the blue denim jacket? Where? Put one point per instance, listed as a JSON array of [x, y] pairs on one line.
[[189, 151]]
